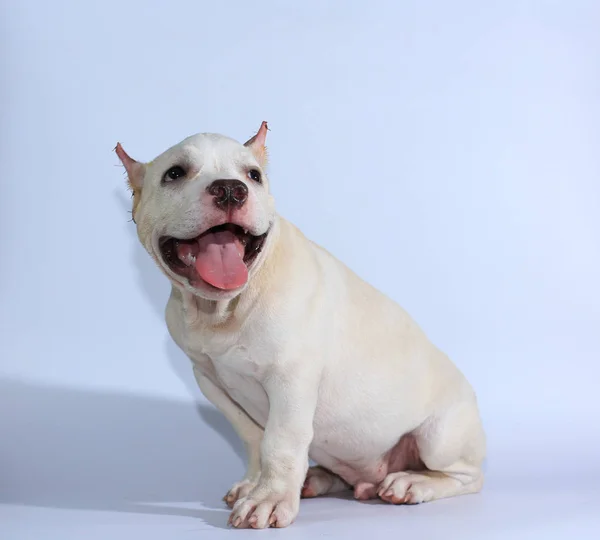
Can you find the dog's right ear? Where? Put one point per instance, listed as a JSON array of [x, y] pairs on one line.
[[257, 144], [135, 169]]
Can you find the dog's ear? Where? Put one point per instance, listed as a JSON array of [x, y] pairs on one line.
[[135, 169], [257, 144]]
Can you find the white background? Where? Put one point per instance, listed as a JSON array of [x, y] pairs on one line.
[[446, 151]]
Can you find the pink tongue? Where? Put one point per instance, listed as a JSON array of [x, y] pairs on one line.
[[220, 260]]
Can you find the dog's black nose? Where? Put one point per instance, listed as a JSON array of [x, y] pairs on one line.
[[228, 193]]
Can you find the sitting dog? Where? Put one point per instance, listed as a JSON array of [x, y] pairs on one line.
[[303, 357]]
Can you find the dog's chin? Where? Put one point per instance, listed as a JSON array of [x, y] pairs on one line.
[[233, 254]]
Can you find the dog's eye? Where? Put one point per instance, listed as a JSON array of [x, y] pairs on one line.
[[253, 174], [174, 173]]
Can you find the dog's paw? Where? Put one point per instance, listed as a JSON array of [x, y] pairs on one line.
[[239, 490], [261, 510], [407, 488]]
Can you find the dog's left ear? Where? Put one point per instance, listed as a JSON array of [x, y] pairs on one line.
[[257, 144], [135, 169]]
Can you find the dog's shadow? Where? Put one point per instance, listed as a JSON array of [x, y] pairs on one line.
[[97, 450]]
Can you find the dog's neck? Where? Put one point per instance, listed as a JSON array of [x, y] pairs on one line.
[[213, 313]]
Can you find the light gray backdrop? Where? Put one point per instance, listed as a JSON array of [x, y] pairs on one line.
[[448, 152]]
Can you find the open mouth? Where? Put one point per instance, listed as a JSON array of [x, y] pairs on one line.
[[220, 256]]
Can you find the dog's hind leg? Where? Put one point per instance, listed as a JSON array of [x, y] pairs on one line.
[[452, 447]]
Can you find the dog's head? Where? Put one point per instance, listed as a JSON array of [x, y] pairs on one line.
[[203, 211]]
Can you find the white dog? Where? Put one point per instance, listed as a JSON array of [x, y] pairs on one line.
[[303, 357]]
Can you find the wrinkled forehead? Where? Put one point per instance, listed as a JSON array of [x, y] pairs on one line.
[[207, 152]]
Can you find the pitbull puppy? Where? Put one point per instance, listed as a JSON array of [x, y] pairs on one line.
[[303, 357]]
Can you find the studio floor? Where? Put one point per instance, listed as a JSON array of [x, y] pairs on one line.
[[503, 511]]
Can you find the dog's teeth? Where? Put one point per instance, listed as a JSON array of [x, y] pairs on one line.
[[245, 231], [189, 259]]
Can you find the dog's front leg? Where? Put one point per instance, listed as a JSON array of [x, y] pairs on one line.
[[284, 452], [250, 433]]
